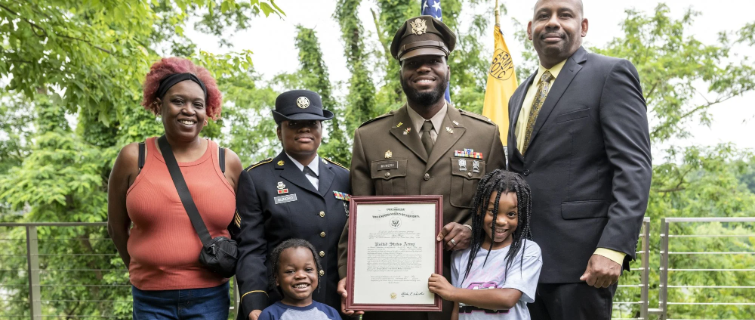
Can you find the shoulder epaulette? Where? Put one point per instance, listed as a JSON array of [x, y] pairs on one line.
[[336, 163], [268, 160], [476, 116], [377, 118]]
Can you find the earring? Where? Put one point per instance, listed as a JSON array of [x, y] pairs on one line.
[[205, 122]]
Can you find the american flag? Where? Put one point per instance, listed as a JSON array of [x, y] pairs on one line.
[[432, 8]]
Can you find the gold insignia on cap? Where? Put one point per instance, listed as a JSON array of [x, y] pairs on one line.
[[280, 163], [418, 26], [388, 154], [302, 102]]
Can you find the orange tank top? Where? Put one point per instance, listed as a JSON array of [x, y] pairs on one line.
[[163, 245]]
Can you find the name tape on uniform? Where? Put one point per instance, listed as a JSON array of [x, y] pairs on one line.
[[285, 199]]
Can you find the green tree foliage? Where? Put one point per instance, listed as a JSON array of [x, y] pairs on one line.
[[676, 69], [16, 119], [703, 182], [313, 75], [74, 73], [674, 66], [392, 14], [360, 105]]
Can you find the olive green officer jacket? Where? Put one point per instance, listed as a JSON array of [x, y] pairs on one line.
[[388, 159]]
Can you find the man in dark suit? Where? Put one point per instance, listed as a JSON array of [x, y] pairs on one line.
[[294, 195], [579, 136], [427, 147]]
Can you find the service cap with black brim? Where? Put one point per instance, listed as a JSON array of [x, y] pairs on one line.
[[423, 35], [299, 105]]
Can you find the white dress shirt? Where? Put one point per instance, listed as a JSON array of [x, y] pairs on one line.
[[314, 166]]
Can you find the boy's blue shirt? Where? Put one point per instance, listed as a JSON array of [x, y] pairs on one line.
[[314, 311]]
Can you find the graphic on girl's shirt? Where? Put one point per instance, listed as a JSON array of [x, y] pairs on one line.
[[463, 308]]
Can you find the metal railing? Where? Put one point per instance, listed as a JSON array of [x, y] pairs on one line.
[[689, 290], [43, 265], [644, 270], [52, 281]]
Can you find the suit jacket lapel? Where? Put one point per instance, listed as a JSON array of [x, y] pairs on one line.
[[518, 104], [326, 177], [519, 100], [570, 69], [291, 173], [401, 122], [446, 138]]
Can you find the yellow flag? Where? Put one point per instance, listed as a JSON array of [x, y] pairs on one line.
[[501, 85]]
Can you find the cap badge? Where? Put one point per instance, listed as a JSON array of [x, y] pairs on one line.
[[302, 102], [418, 26], [388, 154]]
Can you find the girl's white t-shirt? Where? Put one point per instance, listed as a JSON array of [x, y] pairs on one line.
[[491, 276]]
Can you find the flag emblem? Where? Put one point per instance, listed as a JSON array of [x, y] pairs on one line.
[[502, 67]]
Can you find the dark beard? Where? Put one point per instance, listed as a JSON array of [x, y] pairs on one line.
[[425, 98]]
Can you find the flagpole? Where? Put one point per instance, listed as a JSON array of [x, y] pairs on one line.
[[497, 14]]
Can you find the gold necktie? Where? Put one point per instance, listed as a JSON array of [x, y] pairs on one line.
[[542, 92], [426, 139]]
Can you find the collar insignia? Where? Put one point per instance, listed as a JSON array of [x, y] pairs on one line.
[[388, 154], [280, 163]]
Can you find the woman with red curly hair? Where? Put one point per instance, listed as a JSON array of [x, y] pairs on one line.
[[146, 218]]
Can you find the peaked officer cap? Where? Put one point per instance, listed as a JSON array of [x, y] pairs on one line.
[[299, 105], [422, 35]]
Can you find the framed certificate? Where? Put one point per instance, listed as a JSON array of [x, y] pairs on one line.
[[392, 252]]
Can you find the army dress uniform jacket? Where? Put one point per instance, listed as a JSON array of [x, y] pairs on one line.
[[276, 202], [389, 159]]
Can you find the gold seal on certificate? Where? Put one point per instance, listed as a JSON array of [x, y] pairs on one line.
[[392, 253]]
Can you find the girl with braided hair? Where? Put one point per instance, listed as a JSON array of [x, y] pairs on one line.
[[497, 276]]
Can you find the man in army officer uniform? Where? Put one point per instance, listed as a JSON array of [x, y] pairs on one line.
[[427, 147]]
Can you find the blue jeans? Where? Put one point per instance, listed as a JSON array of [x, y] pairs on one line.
[[200, 304]]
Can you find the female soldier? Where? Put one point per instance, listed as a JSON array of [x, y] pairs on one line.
[[294, 195], [161, 250]]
